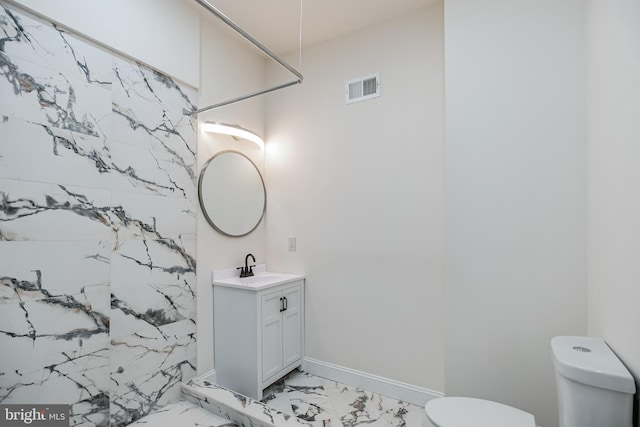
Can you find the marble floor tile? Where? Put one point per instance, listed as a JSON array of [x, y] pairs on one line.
[[304, 400], [326, 403]]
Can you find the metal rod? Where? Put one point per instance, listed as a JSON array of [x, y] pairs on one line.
[[250, 95], [257, 44]]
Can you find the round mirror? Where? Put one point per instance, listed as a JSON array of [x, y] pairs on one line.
[[232, 194]]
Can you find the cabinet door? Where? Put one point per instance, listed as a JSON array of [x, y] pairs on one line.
[[292, 326], [271, 334]]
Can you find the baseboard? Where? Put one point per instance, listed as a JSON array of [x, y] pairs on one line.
[[384, 386], [210, 376]]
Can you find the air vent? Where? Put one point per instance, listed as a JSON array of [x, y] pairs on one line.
[[362, 88]]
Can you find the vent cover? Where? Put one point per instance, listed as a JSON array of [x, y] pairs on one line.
[[362, 88]]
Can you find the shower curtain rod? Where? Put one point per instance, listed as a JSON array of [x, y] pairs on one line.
[[257, 44]]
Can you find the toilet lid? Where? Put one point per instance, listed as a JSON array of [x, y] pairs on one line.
[[469, 412]]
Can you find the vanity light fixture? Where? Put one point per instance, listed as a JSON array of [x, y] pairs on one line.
[[233, 130]]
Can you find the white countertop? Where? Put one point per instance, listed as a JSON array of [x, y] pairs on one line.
[[262, 279]]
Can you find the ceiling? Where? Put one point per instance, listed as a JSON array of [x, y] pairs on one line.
[[276, 23]]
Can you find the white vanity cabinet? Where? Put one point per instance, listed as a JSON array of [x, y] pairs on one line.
[[258, 333], [281, 330]]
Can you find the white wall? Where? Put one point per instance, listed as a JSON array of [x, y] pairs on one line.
[[162, 34], [516, 225], [613, 90], [229, 68], [361, 188]]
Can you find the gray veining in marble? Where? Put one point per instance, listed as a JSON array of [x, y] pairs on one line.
[[97, 227]]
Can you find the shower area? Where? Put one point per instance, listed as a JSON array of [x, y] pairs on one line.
[[97, 227]]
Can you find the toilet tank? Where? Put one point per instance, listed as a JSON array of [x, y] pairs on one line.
[[594, 387]]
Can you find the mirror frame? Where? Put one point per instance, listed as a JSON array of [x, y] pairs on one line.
[[203, 207]]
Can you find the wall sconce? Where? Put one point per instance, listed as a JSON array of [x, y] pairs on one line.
[[234, 131]]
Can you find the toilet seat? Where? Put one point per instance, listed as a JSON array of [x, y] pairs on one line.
[[469, 412]]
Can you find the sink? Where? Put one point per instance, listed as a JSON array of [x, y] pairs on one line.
[[261, 280]]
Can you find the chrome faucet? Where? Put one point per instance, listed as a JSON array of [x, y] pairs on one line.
[[247, 270]]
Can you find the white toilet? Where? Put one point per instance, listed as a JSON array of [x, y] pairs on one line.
[[594, 390], [594, 387], [469, 412]]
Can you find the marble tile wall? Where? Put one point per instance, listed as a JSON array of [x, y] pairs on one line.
[[97, 227]]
